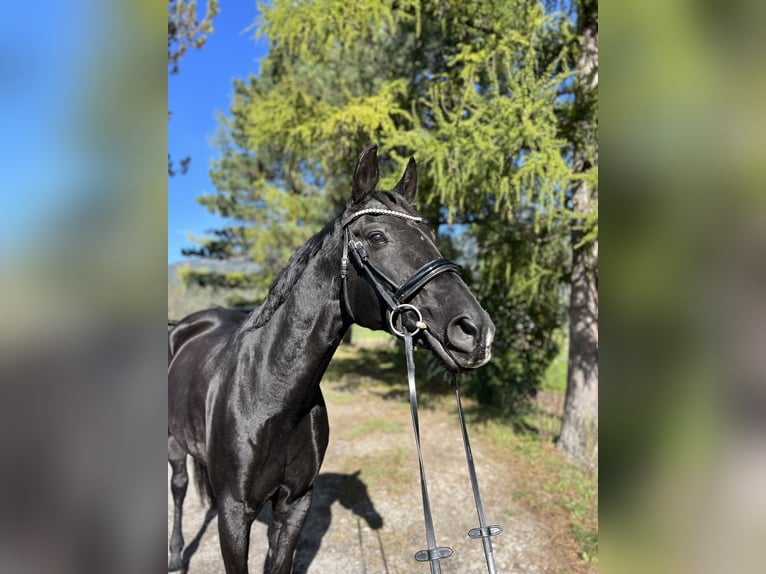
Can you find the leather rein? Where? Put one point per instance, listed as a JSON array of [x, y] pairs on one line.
[[397, 299]]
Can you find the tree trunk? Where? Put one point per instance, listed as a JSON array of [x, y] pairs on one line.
[[579, 429]]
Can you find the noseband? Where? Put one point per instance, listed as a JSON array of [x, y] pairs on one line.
[[396, 297]]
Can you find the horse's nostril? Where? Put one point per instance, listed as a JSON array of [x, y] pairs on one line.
[[468, 328], [462, 334]]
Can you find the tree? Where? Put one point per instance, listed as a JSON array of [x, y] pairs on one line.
[[276, 187], [579, 431], [476, 90], [186, 31]]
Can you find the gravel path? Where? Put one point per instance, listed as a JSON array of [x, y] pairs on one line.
[[367, 515]]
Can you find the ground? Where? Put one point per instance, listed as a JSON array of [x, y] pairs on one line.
[[367, 513]]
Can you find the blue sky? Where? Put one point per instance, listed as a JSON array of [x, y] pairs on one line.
[[202, 87]]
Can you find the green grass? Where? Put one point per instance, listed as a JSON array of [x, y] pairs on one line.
[[555, 378], [542, 424], [360, 333], [374, 426], [384, 469], [381, 370], [364, 369], [334, 397], [587, 539], [564, 492]]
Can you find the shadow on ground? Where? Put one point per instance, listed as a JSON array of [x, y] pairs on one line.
[[347, 489], [382, 370]]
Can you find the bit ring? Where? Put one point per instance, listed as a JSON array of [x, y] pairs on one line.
[[419, 325]]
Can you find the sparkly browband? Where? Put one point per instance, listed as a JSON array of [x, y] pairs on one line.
[[381, 211]]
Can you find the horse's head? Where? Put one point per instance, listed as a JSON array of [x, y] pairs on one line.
[[398, 281], [354, 496]]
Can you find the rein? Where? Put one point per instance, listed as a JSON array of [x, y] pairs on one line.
[[396, 298]]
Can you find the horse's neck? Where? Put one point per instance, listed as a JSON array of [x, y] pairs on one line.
[[288, 355]]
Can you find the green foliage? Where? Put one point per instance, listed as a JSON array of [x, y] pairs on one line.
[[481, 92], [205, 278], [185, 30], [520, 286]]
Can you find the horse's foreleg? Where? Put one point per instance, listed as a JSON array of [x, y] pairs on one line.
[[234, 522], [178, 484], [287, 522]]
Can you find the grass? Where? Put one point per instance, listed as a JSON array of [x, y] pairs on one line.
[[564, 493], [374, 426], [555, 378], [542, 423], [544, 418], [335, 397], [383, 469], [360, 333], [381, 370]]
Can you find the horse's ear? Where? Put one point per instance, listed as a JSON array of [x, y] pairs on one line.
[[408, 185], [365, 174]]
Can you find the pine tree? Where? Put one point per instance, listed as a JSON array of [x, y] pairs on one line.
[[480, 92]]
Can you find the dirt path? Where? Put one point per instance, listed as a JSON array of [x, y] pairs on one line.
[[367, 515]]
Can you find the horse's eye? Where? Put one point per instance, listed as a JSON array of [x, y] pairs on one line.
[[376, 238]]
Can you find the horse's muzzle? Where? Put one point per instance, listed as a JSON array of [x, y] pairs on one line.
[[467, 342]]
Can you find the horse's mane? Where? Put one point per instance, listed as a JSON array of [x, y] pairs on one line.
[[282, 286]]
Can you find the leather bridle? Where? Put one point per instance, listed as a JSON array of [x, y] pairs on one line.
[[395, 296]]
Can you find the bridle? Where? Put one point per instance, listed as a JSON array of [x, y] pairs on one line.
[[395, 296], [397, 299]]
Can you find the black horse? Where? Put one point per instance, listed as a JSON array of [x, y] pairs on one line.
[[243, 389]]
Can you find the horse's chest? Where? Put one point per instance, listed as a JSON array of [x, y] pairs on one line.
[[298, 441], [287, 452]]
